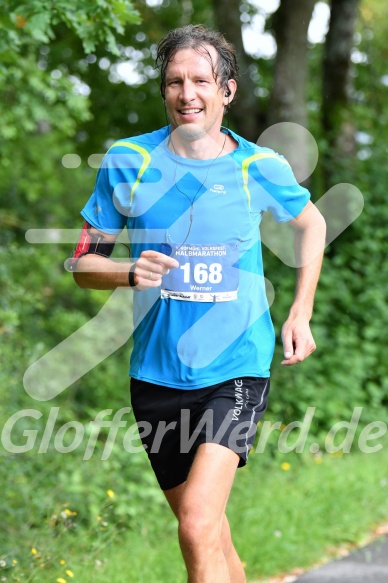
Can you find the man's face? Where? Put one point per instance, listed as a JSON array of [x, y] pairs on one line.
[[194, 101]]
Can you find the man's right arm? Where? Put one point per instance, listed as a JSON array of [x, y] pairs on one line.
[[94, 271]]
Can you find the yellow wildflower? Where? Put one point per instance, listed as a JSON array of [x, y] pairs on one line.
[[34, 551], [69, 573], [98, 517], [14, 562], [20, 21], [110, 493], [68, 512], [62, 562], [61, 580], [285, 466]]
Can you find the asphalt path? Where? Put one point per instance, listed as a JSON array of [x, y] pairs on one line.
[[366, 565]]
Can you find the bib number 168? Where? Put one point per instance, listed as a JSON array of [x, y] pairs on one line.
[[202, 273]]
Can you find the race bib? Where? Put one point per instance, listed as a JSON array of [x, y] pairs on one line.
[[205, 274]]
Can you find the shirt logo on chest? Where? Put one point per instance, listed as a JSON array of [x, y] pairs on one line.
[[218, 189]]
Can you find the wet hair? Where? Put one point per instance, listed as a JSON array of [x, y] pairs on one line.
[[197, 37]]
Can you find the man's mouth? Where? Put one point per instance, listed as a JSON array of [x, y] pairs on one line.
[[189, 111]]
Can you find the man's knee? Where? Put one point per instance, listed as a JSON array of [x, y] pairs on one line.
[[197, 529]]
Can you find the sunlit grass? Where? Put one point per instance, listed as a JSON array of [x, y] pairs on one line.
[[292, 514], [284, 513]]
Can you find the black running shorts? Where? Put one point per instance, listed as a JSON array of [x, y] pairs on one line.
[[173, 422]]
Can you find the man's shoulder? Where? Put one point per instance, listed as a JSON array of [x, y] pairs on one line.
[[143, 142], [247, 152]]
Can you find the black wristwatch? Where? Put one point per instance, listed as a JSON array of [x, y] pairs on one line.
[[131, 276]]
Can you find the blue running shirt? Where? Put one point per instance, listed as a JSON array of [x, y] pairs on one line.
[[209, 321]]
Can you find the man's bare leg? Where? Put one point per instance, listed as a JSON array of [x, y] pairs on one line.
[[236, 569], [199, 505]]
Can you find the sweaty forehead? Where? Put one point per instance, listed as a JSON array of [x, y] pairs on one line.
[[203, 58]]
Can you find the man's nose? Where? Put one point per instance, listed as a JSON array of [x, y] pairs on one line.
[[187, 91]]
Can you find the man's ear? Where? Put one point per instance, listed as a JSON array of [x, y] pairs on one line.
[[230, 90]]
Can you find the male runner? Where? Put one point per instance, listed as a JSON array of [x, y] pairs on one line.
[[192, 195]]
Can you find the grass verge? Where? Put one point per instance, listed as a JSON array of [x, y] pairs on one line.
[[284, 513]]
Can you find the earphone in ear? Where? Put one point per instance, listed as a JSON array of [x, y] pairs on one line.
[[227, 93]]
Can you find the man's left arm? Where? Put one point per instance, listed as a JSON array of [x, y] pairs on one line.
[[310, 231]]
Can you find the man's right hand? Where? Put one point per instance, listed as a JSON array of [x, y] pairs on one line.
[[150, 268]]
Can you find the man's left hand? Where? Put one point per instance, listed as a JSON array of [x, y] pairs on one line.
[[298, 342]]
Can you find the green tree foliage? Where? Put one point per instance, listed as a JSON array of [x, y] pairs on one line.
[[350, 316], [93, 24], [42, 106], [33, 97]]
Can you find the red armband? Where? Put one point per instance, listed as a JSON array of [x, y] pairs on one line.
[[89, 243]]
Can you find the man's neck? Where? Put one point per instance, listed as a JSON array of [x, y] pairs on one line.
[[204, 148]]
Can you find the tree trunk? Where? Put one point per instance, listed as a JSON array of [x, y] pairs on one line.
[[336, 76], [337, 118], [288, 96], [244, 113]]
